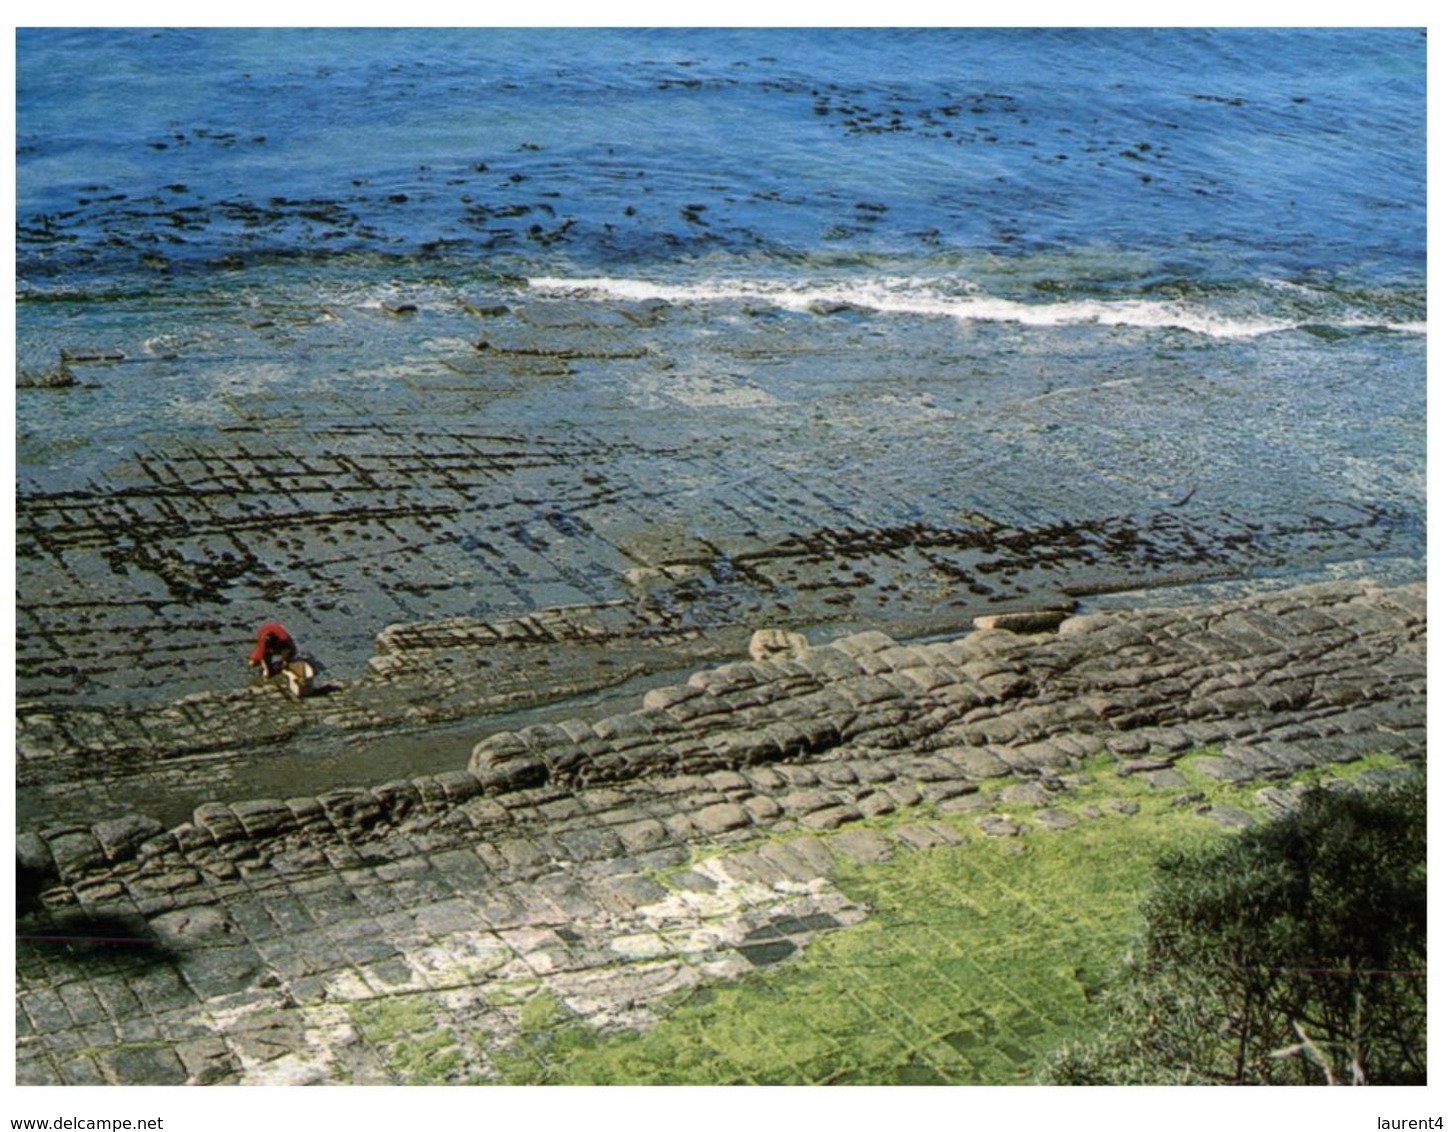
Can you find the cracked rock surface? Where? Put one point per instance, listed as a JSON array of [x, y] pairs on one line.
[[617, 859]]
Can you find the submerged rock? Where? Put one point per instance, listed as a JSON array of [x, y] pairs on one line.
[[58, 378]]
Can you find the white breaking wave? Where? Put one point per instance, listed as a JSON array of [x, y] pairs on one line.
[[919, 297]]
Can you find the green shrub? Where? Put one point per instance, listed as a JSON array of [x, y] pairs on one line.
[[1293, 955]]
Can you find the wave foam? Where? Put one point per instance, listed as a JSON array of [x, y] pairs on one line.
[[952, 299]]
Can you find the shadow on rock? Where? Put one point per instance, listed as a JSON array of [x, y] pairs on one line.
[[81, 935]]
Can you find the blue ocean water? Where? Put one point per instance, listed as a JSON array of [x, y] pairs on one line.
[[1038, 166]]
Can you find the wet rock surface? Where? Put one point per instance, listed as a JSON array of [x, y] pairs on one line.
[[616, 859], [551, 497]]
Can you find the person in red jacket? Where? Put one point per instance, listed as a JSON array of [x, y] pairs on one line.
[[275, 649]]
